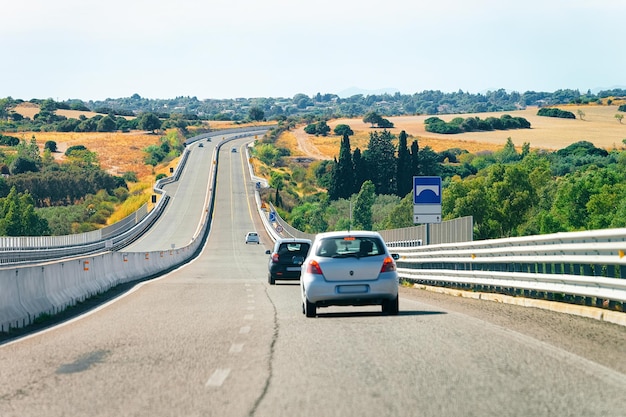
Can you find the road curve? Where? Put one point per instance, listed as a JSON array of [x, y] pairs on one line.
[[214, 339]]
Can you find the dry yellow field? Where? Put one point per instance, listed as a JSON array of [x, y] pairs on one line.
[[29, 110], [599, 126], [117, 152]]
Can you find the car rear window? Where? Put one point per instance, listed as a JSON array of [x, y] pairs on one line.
[[350, 246], [294, 248]]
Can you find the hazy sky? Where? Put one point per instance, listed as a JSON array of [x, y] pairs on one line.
[[277, 48]]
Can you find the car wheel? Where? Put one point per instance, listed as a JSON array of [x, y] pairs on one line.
[[391, 307], [271, 279], [309, 308]]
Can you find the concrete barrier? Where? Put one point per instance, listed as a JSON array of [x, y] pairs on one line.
[[29, 292]]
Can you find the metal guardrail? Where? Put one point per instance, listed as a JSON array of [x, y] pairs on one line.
[[581, 267]]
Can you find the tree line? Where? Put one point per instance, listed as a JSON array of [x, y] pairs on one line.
[[428, 102], [474, 124], [554, 112]]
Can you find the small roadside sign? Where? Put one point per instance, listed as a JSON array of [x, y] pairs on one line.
[[427, 190], [426, 200]]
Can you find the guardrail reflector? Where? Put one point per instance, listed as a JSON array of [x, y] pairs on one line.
[[85, 265]]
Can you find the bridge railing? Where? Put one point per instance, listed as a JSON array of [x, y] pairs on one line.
[[581, 267]]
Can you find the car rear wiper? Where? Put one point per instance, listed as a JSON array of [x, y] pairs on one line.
[[347, 255]]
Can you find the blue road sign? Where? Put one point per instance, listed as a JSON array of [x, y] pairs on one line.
[[426, 190], [272, 216]]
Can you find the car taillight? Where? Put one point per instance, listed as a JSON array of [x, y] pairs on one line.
[[314, 268], [275, 258], [388, 265]]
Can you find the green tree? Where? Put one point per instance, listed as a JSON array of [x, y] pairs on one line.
[[360, 169], [404, 176], [342, 130], [401, 215], [308, 217], [23, 164], [428, 164], [51, 145], [415, 161], [381, 162], [18, 217], [48, 105], [363, 207], [508, 154], [471, 198], [514, 195], [343, 175], [149, 122], [276, 180], [372, 118], [106, 124], [256, 114]]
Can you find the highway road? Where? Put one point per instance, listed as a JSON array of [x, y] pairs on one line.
[[213, 338]]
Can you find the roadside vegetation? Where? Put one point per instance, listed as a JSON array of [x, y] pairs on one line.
[[513, 191], [82, 165]]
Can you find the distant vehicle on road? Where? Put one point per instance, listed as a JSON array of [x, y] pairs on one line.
[[252, 237], [286, 259]]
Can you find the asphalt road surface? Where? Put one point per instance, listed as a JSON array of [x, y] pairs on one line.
[[213, 338]]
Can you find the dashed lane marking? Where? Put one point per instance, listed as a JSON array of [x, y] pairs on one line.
[[218, 377]]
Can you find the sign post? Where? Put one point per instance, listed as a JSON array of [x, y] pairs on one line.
[[427, 201]]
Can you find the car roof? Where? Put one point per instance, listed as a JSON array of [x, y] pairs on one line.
[[293, 240], [355, 233]]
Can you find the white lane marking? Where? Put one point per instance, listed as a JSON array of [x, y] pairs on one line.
[[248, 317], [236, 348], [218, 377], [244, 330]]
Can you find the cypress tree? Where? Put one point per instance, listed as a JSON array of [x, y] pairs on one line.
[[344, 174], [415, 164], [360, 169], [404, 177], [381, 162]]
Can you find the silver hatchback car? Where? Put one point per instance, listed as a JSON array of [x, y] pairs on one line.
[[349, 268]]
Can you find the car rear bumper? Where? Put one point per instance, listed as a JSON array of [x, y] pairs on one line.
[[326, 293]]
